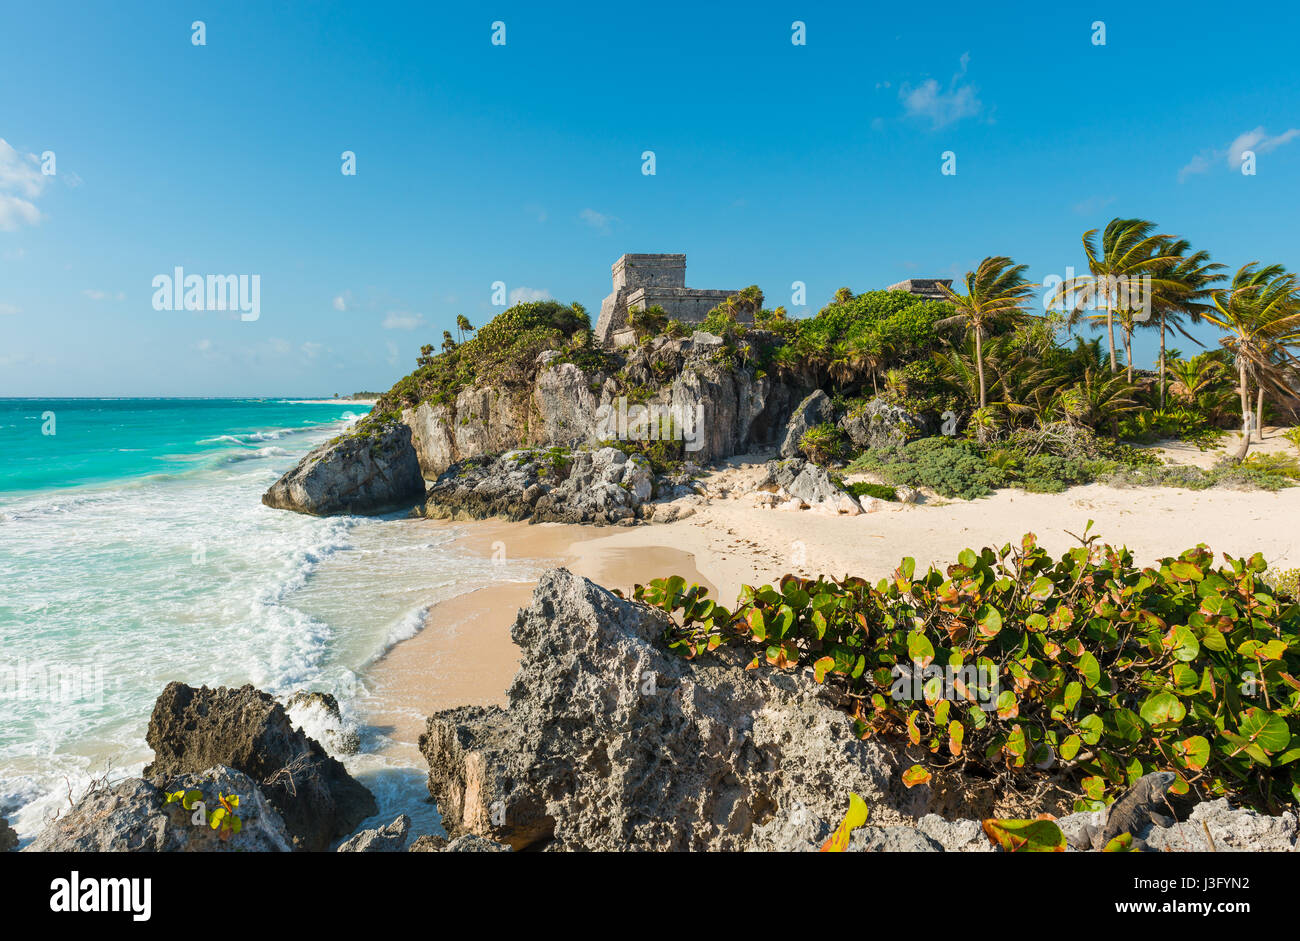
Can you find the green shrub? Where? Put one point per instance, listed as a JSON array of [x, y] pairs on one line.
[[1090, 668], [950, 467], [863, 488], [822, 443]]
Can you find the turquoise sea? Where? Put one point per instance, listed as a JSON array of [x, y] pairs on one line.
[[134, 550]]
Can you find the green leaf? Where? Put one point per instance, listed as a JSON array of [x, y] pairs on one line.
[[1025, 836], [1163, 708]]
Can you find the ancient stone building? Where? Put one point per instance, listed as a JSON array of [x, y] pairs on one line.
[[923, 287], [642, 281]]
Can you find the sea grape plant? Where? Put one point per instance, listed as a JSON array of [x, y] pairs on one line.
[[223, 818], [1103, 670]]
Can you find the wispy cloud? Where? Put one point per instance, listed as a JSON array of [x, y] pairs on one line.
[[522, 295], [402, 320], [21, 181], [8, 309], [1258, 141], [341, 301], [597, 220], [941, 107]]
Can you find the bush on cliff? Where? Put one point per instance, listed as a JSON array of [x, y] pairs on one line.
[[504, 352], [1091, 670]]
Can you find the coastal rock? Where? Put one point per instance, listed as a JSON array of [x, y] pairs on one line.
[[389, 839], [318, 715], [881, 424], [1230, 829], [358, 472], [813, 410], [8, 836], [809, 483], [249, 731], [610, 742], [565, 406], [604, 487], [133, 816]]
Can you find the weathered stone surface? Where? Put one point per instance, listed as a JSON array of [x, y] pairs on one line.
[[565, 406], [813, 410], [610, 742], [879, 424], [473, 843], [355, 473], [1232, 830], [246, 729], [955, 836], [8, 836], [808, 483], [604, 487], [134, 817], [432, 436], [389, 839]]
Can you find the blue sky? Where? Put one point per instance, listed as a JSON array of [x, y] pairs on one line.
[[522, 163]]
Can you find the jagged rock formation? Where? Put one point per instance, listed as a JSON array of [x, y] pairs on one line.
[[813, 410], [355, 473], [389, 839], [800, 484], [605, 486], [134, 817], [879, 424], [8, 837], [246, 729], [610, 742]]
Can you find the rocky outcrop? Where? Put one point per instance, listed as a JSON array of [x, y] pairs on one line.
[[134, 817], [246, 729], [605, 486], [8, 836], [880, 424], [609, 742], [389, 839], [737, 408], [812, 411], [359, 472], [800, 484]]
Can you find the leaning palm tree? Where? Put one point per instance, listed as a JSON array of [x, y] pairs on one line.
[[996, 292], [1128, 254], [1186, 287], [1260, 312]]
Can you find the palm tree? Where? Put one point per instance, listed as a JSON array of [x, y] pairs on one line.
[[995, 294], [648, 321], [1187, 294], [463, 326], [1260, 312], [1129, 254], [1096, 398]]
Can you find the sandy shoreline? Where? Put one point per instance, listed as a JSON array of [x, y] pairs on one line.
[[464, 655]]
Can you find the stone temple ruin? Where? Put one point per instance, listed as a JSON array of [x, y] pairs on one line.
[[642, 281], [923, 287]]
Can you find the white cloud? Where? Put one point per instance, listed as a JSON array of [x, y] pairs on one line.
[[21, 181], [7, 309], [342, 301], [311, 350], [942, 107], [597, 220], [1257, 140], [402, 320], [523, 295], [20, 173], [15, 212]]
